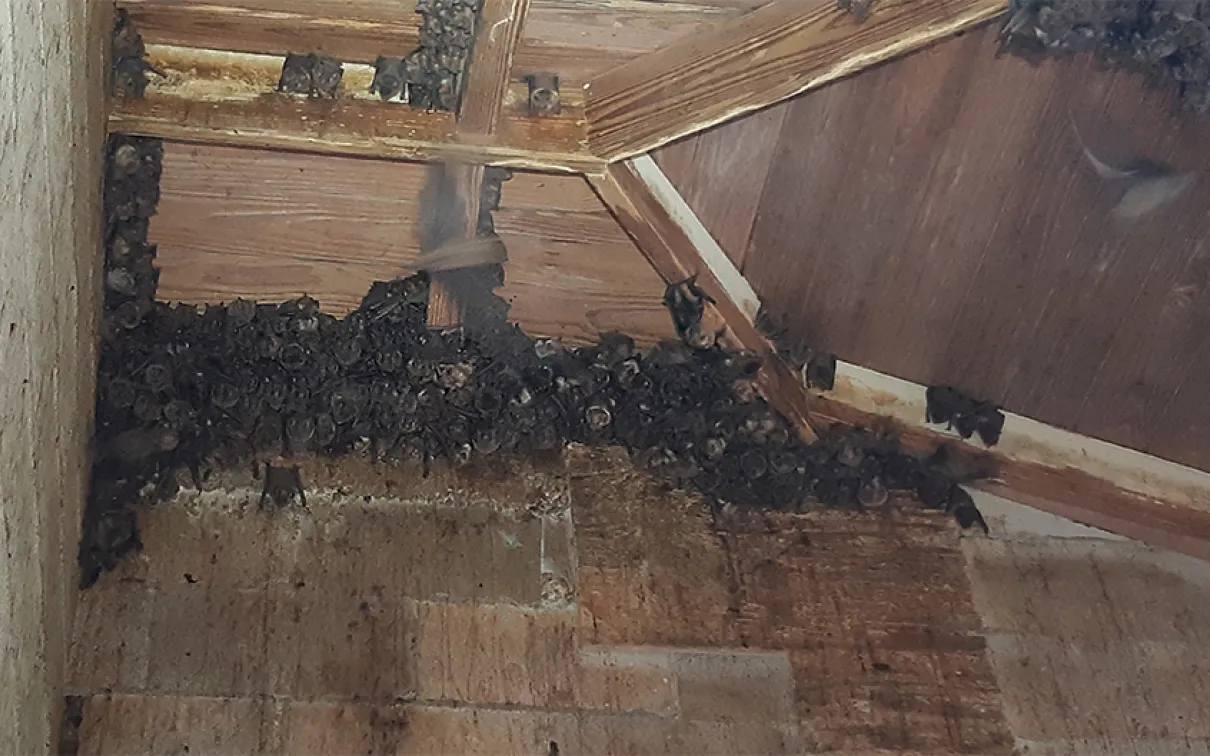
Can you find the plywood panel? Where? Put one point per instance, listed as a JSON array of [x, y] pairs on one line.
[[721, 174], [1098, 645], [577, 40], [959, 237], [53, 131], [273, 226]]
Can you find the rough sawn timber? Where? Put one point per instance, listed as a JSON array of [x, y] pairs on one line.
[[483, 93], [674, 255], [229, 98], [783, 49]]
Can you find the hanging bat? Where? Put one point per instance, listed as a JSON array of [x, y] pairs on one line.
[[1150, 184]]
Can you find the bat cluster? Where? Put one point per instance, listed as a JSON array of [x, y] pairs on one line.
[[1167, 41], [183, 391], [950, 407], [430, 77], [311, 75], [128, 75], [132, 191]]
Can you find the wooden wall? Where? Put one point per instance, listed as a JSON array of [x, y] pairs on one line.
[[934, 219], [273, 226], [53, 127]]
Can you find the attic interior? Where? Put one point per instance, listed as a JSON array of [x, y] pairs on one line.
[[605, 376]]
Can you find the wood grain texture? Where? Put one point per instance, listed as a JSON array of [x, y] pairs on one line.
[[51, 171], [273, 226], [350, 32], [675, 257], [578, 40], [500, 25], [1112, 630], [961, 238], [229, 98], [483, 94], [721, 174], [782, 49]]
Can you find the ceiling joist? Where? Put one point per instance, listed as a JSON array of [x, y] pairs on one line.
[[230, 98], [775, 52]]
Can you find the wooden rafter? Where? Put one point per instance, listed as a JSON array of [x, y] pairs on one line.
[[1089, 481], [358, 34], [780, 50], [1092, 482], [220, 97], [670, 247], [500, 25]]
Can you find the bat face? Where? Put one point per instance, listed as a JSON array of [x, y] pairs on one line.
[[296, 74], [388, 78], [326, 75]]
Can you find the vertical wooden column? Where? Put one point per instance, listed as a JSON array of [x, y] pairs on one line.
[[499, 32]]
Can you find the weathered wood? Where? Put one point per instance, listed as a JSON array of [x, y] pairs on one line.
[[486, 86], [500, 25], [350, 32], [271, 226], [768, 55], [675, 256], [228, 98], [467, 182]]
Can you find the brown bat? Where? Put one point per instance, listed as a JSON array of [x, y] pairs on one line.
[[1150, 184], [461, 253]]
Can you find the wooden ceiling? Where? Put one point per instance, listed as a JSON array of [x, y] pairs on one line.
[[934, 219], [929, 218]]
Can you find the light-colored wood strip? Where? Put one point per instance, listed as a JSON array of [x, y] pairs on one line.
[[483, 94], [673, 251], [1080, 478], [352, 33], [768, 55], [213, 97]]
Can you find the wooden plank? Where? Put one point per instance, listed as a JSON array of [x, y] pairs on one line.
[[271, 226], [578, 40], [500, 24], [1070, 619], [356, 33], [977, 247], [1078, 478], [228, 98], [773, 53], [676, 255], [721, 174]]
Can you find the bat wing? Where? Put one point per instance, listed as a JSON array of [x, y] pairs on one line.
[[467, 253]]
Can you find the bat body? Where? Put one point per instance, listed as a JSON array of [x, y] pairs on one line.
[[1150, 184], [462, 253]]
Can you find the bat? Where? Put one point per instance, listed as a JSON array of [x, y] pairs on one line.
[[1150, 183], [459, 254]]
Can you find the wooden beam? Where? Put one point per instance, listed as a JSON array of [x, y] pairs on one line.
[[1093, 482], [215, 97], [483, 94], [775, 52], [669, 244], [350, 32]]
